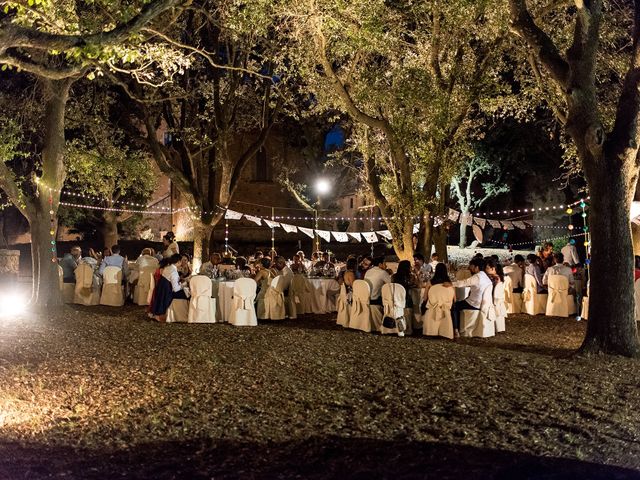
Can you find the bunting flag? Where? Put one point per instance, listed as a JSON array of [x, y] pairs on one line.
[[437, 221], [530, 223], [271, 224], [340, 236], [453, 215], [520, 225], [289, 228], [370, 237], [416, 228], [507, 225], [307, 231], [324, 234], [256, 220], [355, 236], [232, 215], [466, 219], [385, 234], [482, 222], [494, 223]]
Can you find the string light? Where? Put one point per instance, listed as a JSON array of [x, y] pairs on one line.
[[535, 242], [52, 229]]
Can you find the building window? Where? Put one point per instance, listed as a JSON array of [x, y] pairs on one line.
[[262, 167]]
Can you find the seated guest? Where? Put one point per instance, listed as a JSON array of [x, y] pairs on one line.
[[263, 275], [477, 284], [516, 272], [348, 276], [303, 260], [546, 253], [156, 279], [115, 260], [227, 259], [377, 276], [210, 268], [170, 245], [258, 256], [440, 277], [184, 267], [431, 267], [326, 264], [241, 266], [559, 269], [363, 266], [535, 271], [570, 253], [494, 271], [298, 265], [405, 277], [281, 267], [167, 289], [420, 268], [69, 263], [147, 259]]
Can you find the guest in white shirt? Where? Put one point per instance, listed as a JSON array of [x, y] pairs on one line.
[[146, 259], [281, 268], [210, 268], [559, 269], [115, 260], [421, 269], [170, 272], [516, 273], [431, 267], [478, 282], [570, 253], [377, 276], [170, 245]]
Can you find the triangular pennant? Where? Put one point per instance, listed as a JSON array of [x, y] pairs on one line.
[[355, 236], [385, 234], [494, 223], [466, 219], [324, 234], [370, 237], [520, 225], [289, 228], [232, 215], [307, 231], [416, 228], [256, 220], [340, 236], [453, 215], [482, 222], [271, 224], [438, 221], [507, 225]]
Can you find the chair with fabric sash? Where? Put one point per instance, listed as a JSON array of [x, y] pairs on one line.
[[437, 320], [243, 312], [202, 308], [87, 290]]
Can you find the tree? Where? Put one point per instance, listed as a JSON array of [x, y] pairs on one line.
[[101, 163], [462, 188], [409, 74], [219, 114], [608, 154], [59, 42]]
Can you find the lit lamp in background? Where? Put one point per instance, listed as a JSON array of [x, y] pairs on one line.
[[322, 187]]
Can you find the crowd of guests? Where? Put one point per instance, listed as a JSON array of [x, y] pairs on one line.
[[173, 270]]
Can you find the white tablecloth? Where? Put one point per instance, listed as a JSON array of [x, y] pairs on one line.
[[223, 293], [323, 297]]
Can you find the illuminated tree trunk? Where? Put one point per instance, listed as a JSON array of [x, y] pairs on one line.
[[110, 229], [201, 238]]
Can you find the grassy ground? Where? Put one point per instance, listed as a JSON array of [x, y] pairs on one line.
[[104, 393]]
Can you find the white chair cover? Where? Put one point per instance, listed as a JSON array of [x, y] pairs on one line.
[[178, 311], [307, 297], [500, 304], [112, 289], [343, 307], [274, 300], [141, 292], [437, 320], [557, 300], [512, 300], [295, 299], [66, 289], [533, 303], [360, 314], [202, 308], [243, 313], [636, 287], [480, 323], [393, 302], [87, 292]]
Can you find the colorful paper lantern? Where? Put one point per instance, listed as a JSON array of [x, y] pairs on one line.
[[569, 211]]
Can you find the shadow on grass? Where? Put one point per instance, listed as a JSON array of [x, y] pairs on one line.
[[546, 350], [312, 458]]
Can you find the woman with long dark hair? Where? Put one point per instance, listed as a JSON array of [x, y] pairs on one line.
[[440, 277], [404, 276]]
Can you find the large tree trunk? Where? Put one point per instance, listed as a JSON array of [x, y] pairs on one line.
[[611, 326], [440, 242], [201, 238], [110, 229], [46, 286], [403, 246], [425, 234], [463, 235]]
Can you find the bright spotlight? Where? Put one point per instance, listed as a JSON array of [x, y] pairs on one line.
[[323, 186], [12, 304]]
